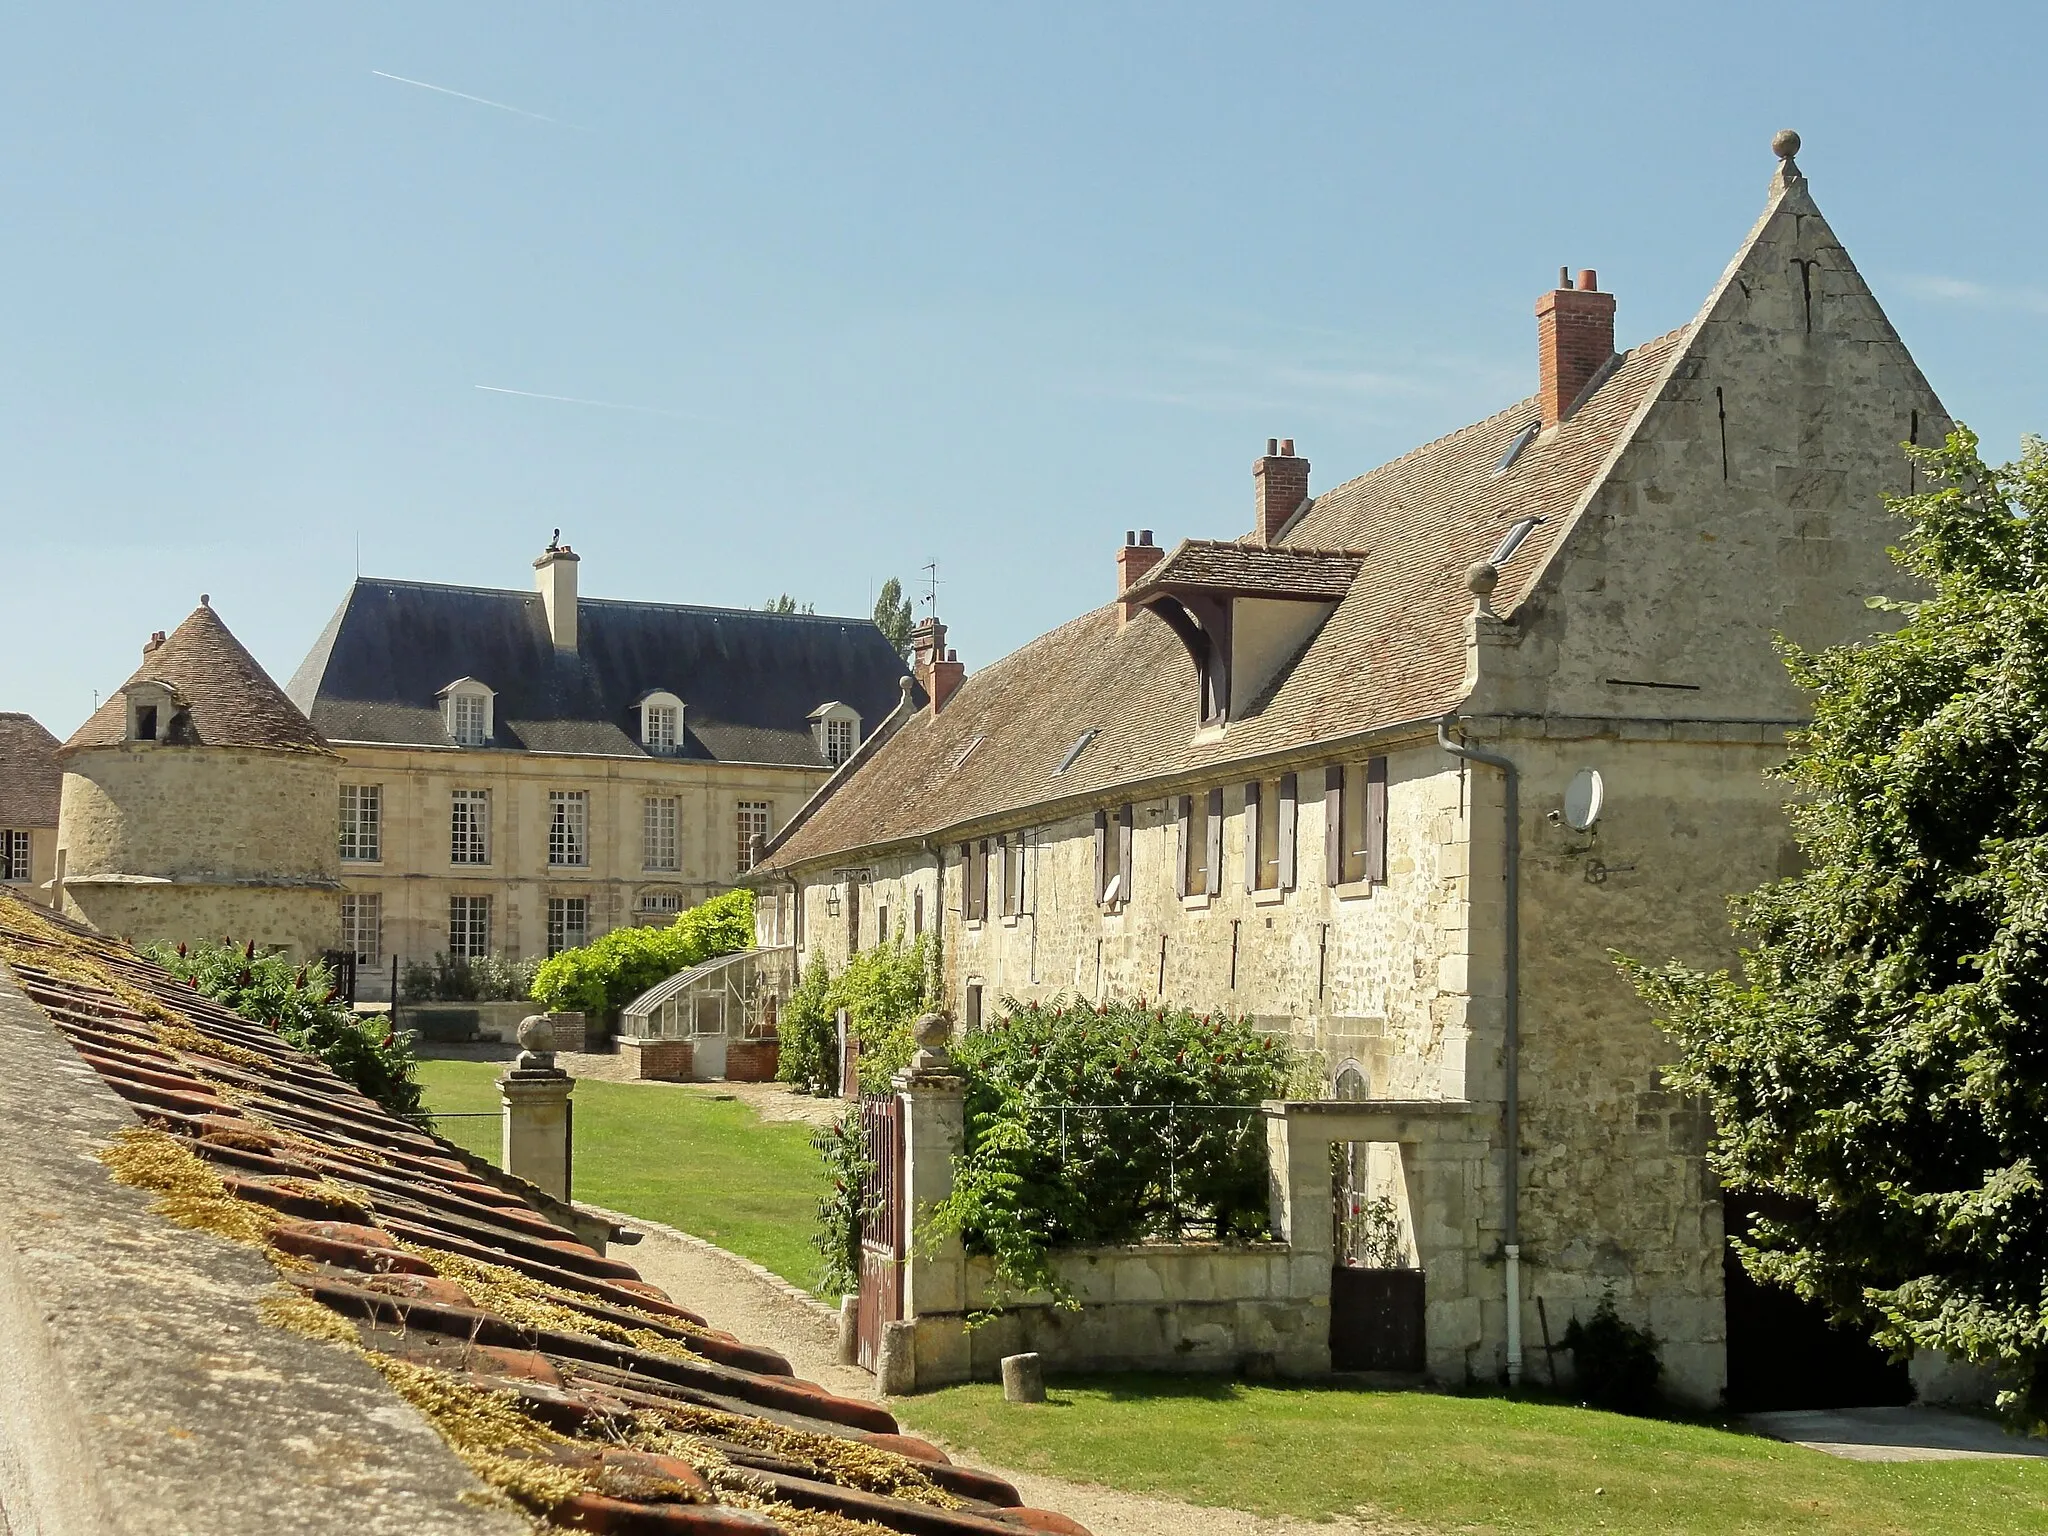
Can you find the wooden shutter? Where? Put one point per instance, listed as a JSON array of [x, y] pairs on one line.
[[967, 882], [981, 880], [1333, 824], [1284, 830], [1003, 876], [1251, 836], [1183, 816], [1126, 836], [1376, 821], [1213, 854], [1101, 855]]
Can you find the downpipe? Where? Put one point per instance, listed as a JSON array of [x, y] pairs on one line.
[[1511, 1155]]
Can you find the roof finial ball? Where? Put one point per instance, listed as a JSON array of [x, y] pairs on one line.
[[1785, 144], [1480, 582]]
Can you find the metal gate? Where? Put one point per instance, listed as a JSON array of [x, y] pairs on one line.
[[1376, 1300], [881, 1229]]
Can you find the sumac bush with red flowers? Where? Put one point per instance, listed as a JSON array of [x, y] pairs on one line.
[[1090, 1126]]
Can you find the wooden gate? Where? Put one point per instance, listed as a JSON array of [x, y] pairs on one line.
[[1376, 1301], [881, 1231]]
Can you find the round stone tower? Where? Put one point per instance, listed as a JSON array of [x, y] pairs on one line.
[[199, 803]]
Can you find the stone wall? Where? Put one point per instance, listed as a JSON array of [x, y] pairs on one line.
[[205, 813], [295, 919]]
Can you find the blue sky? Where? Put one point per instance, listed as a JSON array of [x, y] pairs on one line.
[[863, 287]]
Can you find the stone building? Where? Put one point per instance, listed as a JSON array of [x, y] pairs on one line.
[[1399, 770], [523, 771], [196, 804], [29, 782]]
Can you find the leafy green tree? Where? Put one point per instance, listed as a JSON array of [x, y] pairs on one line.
[[893, 616], [601, 977], [1881, 1064], [787, 604], [298, 1002]]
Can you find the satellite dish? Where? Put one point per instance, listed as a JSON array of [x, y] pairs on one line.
[[1582, 799]]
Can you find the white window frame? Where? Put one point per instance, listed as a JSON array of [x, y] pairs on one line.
[[661, 724], [835, 728], [469, 827], [754, 817], [568, 829], [661, 844], [658, 906], [362, 823], [17, 855], [362, 926], [469, 927], [468, 712], [561, 935]]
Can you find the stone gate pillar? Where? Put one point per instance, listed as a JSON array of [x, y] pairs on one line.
[[934, 1100], [535, 1095]]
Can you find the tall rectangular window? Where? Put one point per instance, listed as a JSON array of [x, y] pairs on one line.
[[838, 741], [468, 714], [658, 848], [1262, 836], [14, 856], [469, 827], [753, 823], [362, 927], [469, 927], [568, 826], [568, 923], [362, 823], [658, 727], [1355, 803]]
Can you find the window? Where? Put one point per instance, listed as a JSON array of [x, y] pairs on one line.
[[852, 916], [1010, 873], [568, 822], [659, 906], [659, 727], [881, 922], [362, 822], [1355, 822], [145, 722], [917, 913], [469, 718], [1269, 828], [469, 927], [658, 832], [972, 1012], [1113, 852], [469, 827], [568, 923], [753, 823], [362, 928], [15, 862], [838, 740], [974, 877], [1199, 845]]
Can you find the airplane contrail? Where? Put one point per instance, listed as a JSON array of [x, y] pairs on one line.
[[609, 405], [482, 101]]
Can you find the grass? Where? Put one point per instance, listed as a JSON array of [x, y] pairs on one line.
[[666, 1153], [1480, 1464]]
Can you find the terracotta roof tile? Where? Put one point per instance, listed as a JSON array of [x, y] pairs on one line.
[[29, 776], [229, 699], [430, 1261], [1392, 652]]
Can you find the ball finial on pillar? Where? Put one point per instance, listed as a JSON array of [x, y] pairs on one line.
[[1785, 144]]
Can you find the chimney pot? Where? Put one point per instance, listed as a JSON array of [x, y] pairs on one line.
[[1130, 536], [1272, 446], [1564, 277], [1145, 536], [1286, 447], [1589, 280]]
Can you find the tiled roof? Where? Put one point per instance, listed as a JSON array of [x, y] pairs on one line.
[[559, 1375], [1391, 653], [229, 700], [1275, 571], [749, 680], [29, 776]]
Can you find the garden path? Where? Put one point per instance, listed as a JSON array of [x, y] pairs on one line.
[[764, 1309]]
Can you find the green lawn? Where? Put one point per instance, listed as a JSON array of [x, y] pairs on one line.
[[666, 1153], [1478, 1464]]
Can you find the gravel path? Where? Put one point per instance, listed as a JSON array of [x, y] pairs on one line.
[[764, 1309]]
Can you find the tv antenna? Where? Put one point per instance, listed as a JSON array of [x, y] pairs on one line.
[[931, 598]]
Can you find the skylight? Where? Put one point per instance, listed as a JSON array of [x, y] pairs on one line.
[[1523, 440], [1512, 541], [968, 751], [1074, 752]]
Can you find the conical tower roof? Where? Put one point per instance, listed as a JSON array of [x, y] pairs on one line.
[[226, 699]]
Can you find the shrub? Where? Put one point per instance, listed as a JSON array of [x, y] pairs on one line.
[[1615, 1362], [810, 1037], [841, 1212], [883, 989], [300, 1004], [455, 979], [601, 977], [1032, 1180]]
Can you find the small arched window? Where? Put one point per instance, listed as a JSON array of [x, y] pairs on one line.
[[836, 729], [661, 723]]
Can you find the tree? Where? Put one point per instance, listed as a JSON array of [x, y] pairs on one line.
[[1881, 1065], [787, 604], [892, 616]]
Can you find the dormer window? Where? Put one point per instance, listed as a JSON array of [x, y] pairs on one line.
[[836, 729], [661, 723], [468, 711], [151, 705]]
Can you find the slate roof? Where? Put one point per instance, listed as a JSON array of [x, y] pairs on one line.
[[1392, 653], [30, 778], [1223, 565], [749, 680], [229, 700], [466, 1294]]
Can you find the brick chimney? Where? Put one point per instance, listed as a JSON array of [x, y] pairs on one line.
[[937, 668], [1134, 562], [1575, 340], [1279, 487], [554, 573], [153, 643], [947, 676]]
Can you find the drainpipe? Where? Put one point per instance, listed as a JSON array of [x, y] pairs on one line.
[[1511, 1155]]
